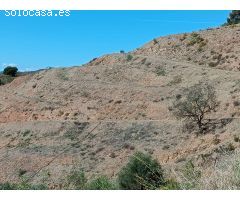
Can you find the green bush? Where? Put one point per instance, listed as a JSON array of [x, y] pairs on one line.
[[129, 57], [195, 38], [141, 172], [160, 71], [171, 185], [11, 71], [101, 183], [7, 186], [76, 180], [155, 41]]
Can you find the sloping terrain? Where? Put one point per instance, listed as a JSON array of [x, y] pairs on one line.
[[97, 115]]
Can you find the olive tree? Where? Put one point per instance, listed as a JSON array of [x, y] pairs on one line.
[[197, 101], [234, 17], [11, 71]]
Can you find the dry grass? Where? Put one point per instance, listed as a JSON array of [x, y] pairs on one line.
[[223, 175]]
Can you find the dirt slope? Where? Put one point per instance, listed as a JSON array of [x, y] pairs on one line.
[[96, 115]]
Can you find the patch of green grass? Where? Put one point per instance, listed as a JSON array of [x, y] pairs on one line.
[[101, 183], [22, 186], [76, 180]]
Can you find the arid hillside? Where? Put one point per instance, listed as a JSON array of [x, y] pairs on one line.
[[96, 115]]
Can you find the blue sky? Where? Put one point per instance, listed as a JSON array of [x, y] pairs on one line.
[[37, 42]]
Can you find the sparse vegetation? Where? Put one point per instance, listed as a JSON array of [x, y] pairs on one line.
[[236, 103], [63, 75], [225, 174], [101, 183], [76, 180], [160, 71], [236, 138], [183, 37], [97, 116], [195, 38], [21, 172], [21, 186], [213, 64], [142, 172], [197, 102], [188, 177], [5, 79], [176, 80]]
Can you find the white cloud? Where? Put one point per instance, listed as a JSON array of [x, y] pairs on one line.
[[9, 64]]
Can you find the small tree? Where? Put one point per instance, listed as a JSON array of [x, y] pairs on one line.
[[155, 41], [197, 101], [11, 71], [234, 17], [141, 173]]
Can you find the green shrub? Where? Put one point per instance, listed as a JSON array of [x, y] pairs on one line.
[[171, 185], [183, 37], [195, 38], [76, 180], [155, 41], [11, 71], [141, 172], [129, 57], [236, 138], [7, 186], [21, 186], [101, 183], [213, 64], [160, 71], [21, 172]]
